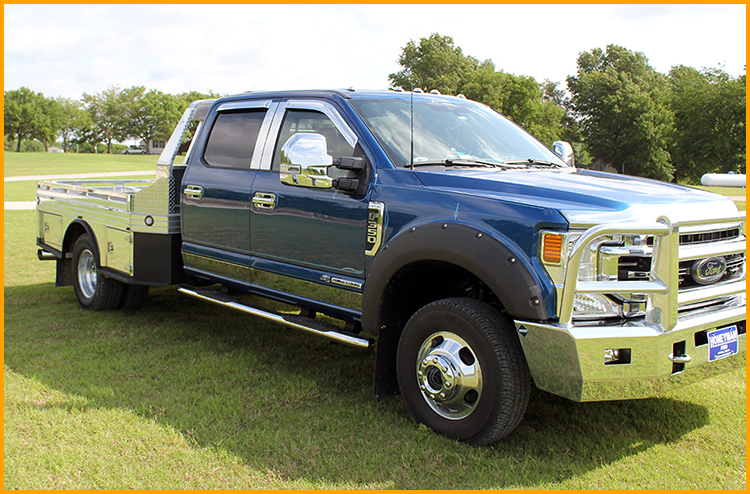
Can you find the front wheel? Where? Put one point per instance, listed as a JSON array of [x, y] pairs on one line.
[[462, 371], [93, 291]]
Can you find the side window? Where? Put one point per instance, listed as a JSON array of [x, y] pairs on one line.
[[308, 121], [232, 140]]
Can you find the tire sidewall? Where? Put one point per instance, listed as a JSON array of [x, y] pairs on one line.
[[429, 320], [107, 292], [82, 245]]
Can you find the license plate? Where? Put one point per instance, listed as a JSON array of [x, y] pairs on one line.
[[722, 343]]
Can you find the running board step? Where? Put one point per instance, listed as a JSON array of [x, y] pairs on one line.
[[308, 325]]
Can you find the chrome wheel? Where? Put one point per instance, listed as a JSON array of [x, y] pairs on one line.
[[87, 274], [93, 290], [449, 375], [461, 370]]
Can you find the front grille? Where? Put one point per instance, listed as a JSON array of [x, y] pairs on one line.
[[703, 237], [709, 237], [638, 268], [735, 263]]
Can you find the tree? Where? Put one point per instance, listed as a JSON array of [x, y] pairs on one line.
[[709, 122], [24, 114], [72, 121], [520, 98], [49, 122], [622, 104], [108, 112], [151, 114], [434, 63]]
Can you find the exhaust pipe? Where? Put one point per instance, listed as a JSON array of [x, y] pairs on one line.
[[43, 255]]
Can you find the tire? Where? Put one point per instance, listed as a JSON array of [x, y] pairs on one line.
[[462, 371], [133, 297], [93, 291]]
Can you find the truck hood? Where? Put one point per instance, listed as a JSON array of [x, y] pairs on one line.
[[585, 198]]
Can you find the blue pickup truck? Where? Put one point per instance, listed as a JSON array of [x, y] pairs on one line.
[[477, 261]]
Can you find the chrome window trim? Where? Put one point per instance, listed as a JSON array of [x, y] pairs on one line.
[[244, 105], [275, 126], [331, 112], [321, 106], [261, 143], [270, 106]]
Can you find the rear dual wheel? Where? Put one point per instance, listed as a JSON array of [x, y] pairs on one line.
[[96, 292], [462, 371]]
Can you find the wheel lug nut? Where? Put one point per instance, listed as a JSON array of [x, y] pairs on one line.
[[442, 395], [448, 384]]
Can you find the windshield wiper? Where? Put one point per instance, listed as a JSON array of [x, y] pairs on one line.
[[533, 162], [459, 162]]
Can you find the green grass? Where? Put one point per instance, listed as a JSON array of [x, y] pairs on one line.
[[725, 191], [31, 164], [26, 190], [22, 164]]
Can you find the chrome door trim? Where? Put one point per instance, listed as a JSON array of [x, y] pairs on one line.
[[331, 112], [280, 111]]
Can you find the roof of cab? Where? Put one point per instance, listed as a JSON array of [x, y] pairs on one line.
[[343, 93]]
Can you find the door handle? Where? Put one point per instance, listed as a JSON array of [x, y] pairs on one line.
[[193, 191], [264, 200]]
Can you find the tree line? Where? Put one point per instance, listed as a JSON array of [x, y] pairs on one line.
[[617, 111], [110, 116]]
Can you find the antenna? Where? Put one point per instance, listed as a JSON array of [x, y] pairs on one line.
[[411, 125]]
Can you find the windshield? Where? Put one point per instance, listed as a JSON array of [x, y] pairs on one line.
[[447, 129]]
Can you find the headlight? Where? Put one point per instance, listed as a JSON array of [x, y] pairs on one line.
[[599, 262]]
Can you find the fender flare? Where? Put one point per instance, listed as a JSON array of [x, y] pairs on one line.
[[65, 269], [502, 266], [89, 231]]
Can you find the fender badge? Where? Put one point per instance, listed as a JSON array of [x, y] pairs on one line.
[[523, 330]]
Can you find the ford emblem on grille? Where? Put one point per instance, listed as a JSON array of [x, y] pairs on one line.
[[710, 270]]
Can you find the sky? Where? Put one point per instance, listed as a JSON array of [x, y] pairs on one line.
[[68, 50]]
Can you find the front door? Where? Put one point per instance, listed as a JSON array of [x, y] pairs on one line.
[[304, 232]]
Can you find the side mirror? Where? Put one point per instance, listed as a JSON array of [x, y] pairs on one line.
[[305, 161], [565, 151]]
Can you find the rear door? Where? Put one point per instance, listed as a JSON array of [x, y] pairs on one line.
[[217, 188]]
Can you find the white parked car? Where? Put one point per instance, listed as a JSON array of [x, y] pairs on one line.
[[134, 150]]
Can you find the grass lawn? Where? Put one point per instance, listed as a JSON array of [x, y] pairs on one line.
[[22, 164], [30, 164], [186, 395], [725, 191]]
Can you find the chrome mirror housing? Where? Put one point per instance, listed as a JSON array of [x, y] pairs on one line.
[[565, 151], [305, 162]]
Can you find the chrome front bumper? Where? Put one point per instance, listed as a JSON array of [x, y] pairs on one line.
[[576, 362]]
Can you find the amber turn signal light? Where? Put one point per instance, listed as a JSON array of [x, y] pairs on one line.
[[552, 248]]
